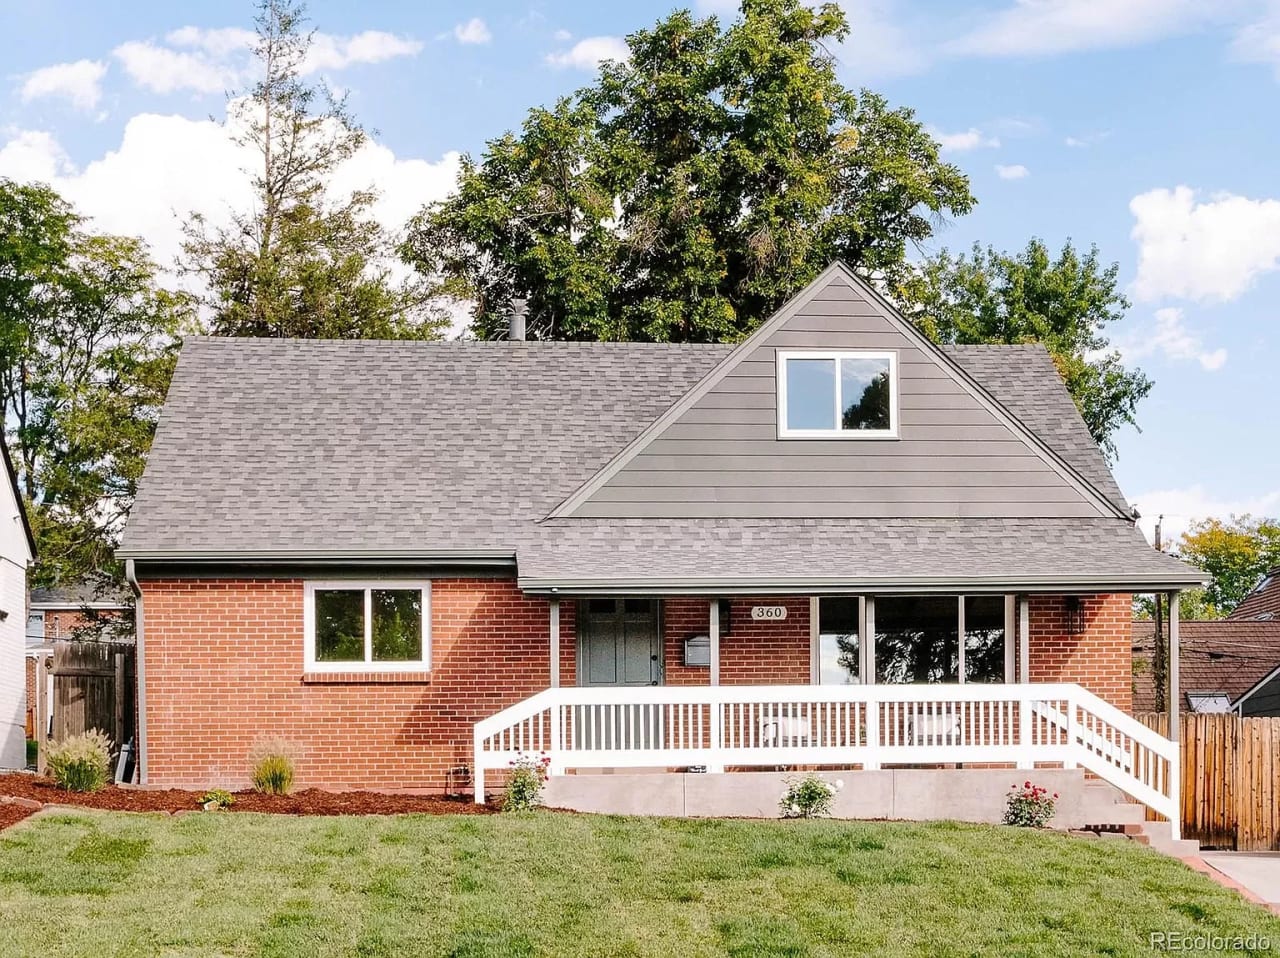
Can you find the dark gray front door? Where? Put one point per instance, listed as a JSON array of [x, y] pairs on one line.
[[619, 642]]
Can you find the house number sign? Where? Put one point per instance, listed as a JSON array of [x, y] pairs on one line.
[[773, 612]]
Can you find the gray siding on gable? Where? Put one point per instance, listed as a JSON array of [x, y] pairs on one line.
[[954, 457]]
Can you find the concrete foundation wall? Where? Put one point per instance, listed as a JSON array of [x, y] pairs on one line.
[[966, 795]]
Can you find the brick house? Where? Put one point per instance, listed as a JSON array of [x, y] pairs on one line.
[[833, 544]]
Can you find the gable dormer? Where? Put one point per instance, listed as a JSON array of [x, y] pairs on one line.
[[837, 407]]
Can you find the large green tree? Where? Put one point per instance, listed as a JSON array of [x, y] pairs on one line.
[[87, 346], [303, 260], [691, 189], [1236, 553], [1065, 301]]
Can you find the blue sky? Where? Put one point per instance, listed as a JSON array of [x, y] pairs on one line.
[[1148, 127]]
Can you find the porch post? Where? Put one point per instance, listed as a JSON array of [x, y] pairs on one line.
[[1024, 678], [1175, 721], [716, 723], [555, 643], [869, 677]]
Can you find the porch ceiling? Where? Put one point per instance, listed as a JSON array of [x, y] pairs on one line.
[[881, 555]]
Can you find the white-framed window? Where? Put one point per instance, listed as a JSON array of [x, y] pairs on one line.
[[380, 625], [842, 394], [916, 639]]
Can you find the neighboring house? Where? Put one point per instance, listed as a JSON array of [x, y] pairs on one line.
[[65, 612], [17, 552], [1263, 603], [834, 543], [1226, 665]]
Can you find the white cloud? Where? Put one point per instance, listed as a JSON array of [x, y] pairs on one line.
[[214, 60], [473, 31], [79, 82], [970, 139], [330, 52], [1210, 250], [1170, 338], [1181, 507], [1047, 27], [1015, 171], [1086, 140], [879, 44], [166, 166], [1259, 42], [562, 36], [589, 52]]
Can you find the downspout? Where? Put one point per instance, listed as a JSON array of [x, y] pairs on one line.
[[130, 574]]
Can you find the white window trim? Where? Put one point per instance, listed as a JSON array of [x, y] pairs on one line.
[[783, 355], [368, 585], [867, 643]]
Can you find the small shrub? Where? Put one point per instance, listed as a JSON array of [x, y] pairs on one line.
[[808, 797], [1030, 806], [524, 789], [82, 763], [273, 764], [217, 798]]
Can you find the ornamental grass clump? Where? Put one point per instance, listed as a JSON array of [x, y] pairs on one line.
[[808, 797], [81, 763], [273, 765], [524, 788], [1030, 806]]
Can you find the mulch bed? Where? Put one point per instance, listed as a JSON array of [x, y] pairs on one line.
[[310, 801]]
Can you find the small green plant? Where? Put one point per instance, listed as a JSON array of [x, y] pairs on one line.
[[81, 763], [273, 765], [1030, 806], [808, 797], [217, 798], [524, 789]]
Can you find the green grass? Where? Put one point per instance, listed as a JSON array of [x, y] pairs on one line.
[[100, 883]]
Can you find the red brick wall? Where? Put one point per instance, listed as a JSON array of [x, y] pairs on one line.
[[31, 696], [224, 658], [1100, 658], [753, 653], [224, 667]]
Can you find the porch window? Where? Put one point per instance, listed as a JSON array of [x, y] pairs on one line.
[[928, 638], [373, 626], [841, 395], [839, 648]]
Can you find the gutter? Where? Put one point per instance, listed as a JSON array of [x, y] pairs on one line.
[[811, 585], [328, 557], [130, 574]]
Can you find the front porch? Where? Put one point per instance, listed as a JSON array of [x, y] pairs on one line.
[[987, 679]]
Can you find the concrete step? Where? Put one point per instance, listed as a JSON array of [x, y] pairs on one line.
[[1159, 835]]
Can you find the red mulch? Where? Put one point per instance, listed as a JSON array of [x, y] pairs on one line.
[[310, 801]]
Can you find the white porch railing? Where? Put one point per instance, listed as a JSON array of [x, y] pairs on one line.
[[866, 725]]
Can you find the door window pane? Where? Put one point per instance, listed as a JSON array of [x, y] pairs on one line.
[[838, 645], [984, 637], [811, 394], [864, 394], [917, 639], [397, 625], [339, 625]]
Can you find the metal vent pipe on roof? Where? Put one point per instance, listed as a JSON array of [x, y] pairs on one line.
[[518, 309]]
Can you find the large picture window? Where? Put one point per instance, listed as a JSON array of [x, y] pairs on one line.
[[837, 395], [373, 626], [916, 639]]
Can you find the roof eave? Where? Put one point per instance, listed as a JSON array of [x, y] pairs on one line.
[[322, 558], [746, 585]]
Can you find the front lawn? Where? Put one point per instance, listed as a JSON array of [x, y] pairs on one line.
[[109, 883]]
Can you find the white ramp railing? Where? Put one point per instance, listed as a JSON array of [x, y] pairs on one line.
[[867, 725]]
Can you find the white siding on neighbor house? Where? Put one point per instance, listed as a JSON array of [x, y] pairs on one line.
[[954, 458], [14, 558]]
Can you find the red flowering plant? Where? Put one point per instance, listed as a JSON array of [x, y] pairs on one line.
[[1030, 806], [524, 788]]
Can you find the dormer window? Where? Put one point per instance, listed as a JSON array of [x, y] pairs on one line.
[[837, 395]]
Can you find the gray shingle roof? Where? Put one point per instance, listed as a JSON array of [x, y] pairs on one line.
[[273, 448]]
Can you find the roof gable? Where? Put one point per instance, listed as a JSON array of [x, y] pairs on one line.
[[960, 452], [1263, 601]]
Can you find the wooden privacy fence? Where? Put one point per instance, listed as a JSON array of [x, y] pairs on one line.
[[1230, 795], [93, 687]]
